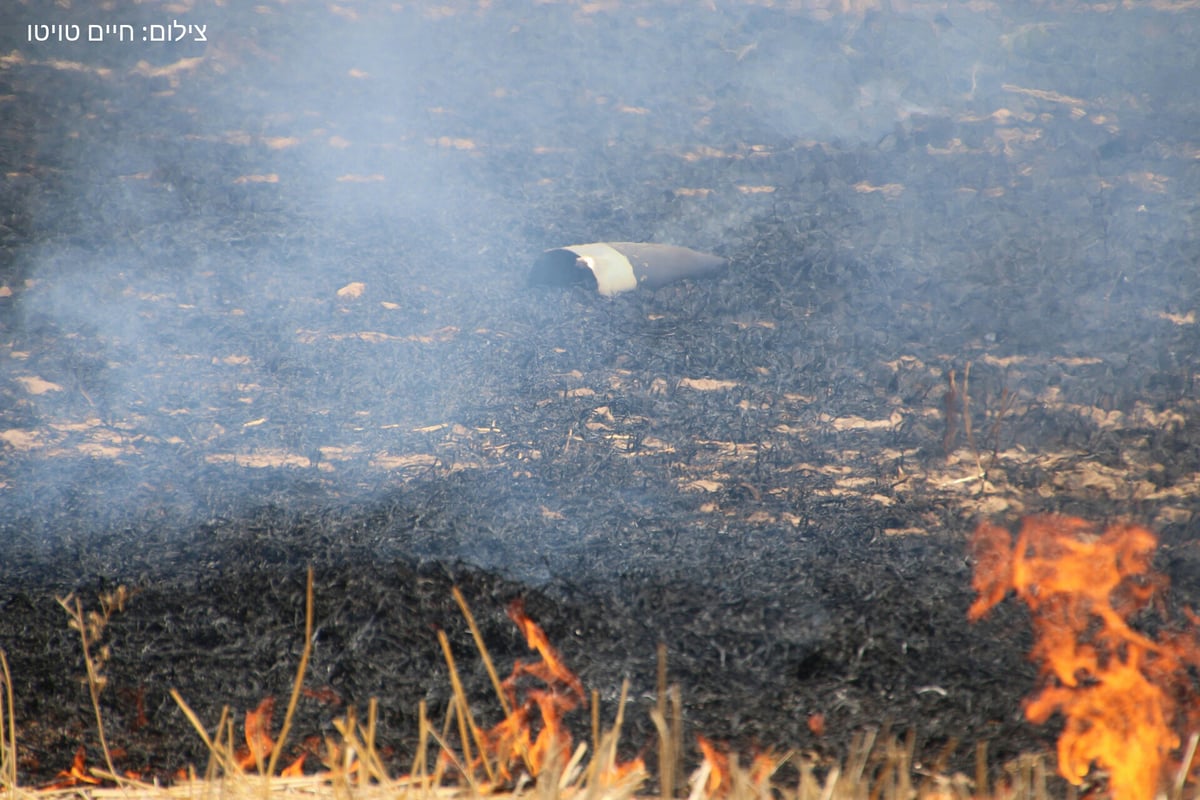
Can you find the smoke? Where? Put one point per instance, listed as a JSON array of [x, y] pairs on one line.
[[300, 245]]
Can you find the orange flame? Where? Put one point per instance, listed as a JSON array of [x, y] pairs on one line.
[[512, 740], [295, 769], [551, 668], [720, 779], [621, 770], [260, 743], [553, 742], [258, 735], [721, 770], [761, 770], [77, 775], [1121, 692]]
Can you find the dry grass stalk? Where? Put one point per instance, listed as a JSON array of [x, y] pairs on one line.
[[677, 728], [981, 770], [670, 744], [8, 732], [91, 629], [467, 729], [298, 684], [358, 744], [956, 411], [668, 747], [483, 651], [966, 408], [950, 408], [604, 762], [595, 719], [1027, 777], [1006, 403], [933, 775], [420, 766], [1185, 768]]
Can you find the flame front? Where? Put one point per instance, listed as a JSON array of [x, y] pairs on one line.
[[1122, 693]]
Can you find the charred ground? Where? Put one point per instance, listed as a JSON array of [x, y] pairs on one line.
[[755, 470]]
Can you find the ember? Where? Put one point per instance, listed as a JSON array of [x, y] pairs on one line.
[[1124, 695]]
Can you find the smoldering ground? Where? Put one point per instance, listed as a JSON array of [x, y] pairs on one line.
[[267, 305]]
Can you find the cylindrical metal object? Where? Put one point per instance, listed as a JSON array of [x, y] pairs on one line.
[[615, 267]]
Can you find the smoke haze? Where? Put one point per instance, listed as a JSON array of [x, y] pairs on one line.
[[290, 261]]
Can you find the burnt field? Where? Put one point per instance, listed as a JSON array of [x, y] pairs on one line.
[[264, 304]]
